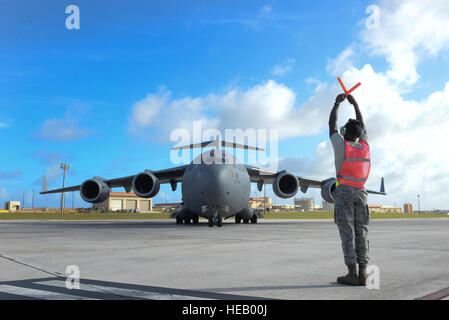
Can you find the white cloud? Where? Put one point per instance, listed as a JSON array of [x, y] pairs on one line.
[[65, 128], [321, 166], [146, 110], [409, 30], [341, 63], [314, 81], [57, 129], [269, 105], [284, 67]]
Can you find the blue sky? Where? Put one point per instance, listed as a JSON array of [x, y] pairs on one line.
[[69, 95]]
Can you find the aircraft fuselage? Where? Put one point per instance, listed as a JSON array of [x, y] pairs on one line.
[[216, 183]]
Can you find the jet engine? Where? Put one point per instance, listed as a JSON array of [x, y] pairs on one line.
[[285, 185], [94, 190], [327, 190], [146, 184]]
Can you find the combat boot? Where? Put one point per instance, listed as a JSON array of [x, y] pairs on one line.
[[362, 274], [351, 278]]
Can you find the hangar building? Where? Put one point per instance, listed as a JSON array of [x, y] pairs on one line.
[[118, 201]]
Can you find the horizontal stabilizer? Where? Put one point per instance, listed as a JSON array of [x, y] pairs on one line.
[[217, 144]]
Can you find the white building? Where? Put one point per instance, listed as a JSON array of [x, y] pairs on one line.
[[12, 206], [304, 204]]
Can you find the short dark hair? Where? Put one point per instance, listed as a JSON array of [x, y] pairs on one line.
[[353, 129]]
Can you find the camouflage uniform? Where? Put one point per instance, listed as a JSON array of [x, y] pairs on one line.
[[352, 218]]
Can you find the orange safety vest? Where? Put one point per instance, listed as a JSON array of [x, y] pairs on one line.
[[355, 169]]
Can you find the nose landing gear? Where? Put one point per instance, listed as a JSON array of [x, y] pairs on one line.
[[216, 219], [215, 214]]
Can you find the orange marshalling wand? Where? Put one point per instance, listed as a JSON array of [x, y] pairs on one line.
[[348, 92]]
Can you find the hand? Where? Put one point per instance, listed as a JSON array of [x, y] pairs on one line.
[[340, 98], [351, 100]]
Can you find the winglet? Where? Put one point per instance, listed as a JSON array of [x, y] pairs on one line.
[[44, 183], [382, 185], [382, 188]]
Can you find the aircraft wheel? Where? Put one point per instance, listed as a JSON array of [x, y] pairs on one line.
[[238, 219], [178, 220], [219, 221], [211, 221], [187, 220], [254, 219], [245, 220], [196, 219]]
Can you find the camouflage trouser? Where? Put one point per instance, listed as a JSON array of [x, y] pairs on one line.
[[352, 218]]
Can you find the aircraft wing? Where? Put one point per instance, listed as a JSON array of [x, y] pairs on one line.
[[258, 174], [165, 176], [267, 176]]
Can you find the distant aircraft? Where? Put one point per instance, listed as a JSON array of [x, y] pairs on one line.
[[215, 185]]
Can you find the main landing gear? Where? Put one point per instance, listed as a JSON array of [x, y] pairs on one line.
[[254, 219], [194, 220], [239, 219]]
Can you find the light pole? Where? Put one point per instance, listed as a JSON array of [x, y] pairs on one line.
[[64, 167], [32, 201], [264, 197], [419, 205]]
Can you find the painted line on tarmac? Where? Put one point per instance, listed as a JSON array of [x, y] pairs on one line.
[[438, 295], [54, 288], [31, 265], [36, 293], [125, 293]]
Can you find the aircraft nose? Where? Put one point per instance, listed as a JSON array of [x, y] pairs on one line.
[[215, 184]]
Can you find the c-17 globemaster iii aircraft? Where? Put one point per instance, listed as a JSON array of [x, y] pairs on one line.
[[215, 185]]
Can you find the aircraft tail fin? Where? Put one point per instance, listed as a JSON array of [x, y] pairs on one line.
[[218, 143]]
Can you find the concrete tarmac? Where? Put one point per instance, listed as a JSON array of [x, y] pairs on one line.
[[274, 259]]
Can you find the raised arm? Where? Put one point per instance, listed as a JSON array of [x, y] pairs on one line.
[[333, 116], [358, 114]]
